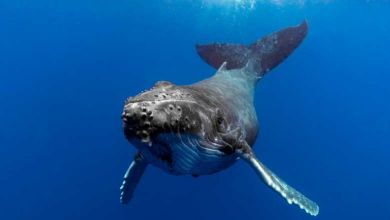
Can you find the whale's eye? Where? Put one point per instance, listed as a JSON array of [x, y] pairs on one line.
[[220, 120], [221, 124]]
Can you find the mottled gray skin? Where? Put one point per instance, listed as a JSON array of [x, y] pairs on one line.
[[208, 110], [203, 128]]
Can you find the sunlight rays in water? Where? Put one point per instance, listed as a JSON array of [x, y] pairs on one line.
[[250, 4], [231, 3]]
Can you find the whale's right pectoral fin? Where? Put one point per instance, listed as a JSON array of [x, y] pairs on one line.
[[132, 177], [289, 193]]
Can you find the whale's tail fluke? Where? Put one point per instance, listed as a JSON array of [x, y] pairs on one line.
[[264, 54]]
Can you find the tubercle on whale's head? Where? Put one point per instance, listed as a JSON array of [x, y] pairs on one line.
[[165, 108]]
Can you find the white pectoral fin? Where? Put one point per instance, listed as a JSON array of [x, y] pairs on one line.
[[132, 177], [289, 193]]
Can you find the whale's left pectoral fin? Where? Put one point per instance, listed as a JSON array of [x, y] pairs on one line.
[[289, 193], [132, 177]]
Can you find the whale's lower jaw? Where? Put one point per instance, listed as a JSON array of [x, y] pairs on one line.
[[186, 155]]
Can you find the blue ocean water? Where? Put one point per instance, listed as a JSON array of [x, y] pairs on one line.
[[67, 66]]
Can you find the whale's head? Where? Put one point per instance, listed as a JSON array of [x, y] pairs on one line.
[[162, 109], [156, 120]]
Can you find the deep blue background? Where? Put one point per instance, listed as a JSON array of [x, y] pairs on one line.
[[67, 66]]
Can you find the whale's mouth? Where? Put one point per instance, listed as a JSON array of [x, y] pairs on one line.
[[152, 127]]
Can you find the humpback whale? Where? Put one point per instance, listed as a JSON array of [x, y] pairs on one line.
[[205, 127]]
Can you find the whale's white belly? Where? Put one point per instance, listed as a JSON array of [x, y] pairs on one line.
[[188, 155]]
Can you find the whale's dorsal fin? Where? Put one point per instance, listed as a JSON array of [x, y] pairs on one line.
[[265, 53], [272, 180], [222, 68]]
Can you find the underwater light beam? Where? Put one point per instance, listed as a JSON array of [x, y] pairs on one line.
[[250, 4]]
